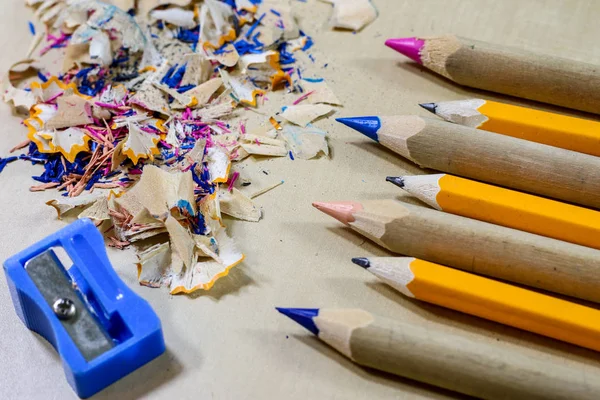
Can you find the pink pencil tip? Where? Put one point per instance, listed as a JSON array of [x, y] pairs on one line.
[[410, 47], [343, 211]]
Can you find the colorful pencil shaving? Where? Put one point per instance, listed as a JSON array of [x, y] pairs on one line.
[[136, 128]]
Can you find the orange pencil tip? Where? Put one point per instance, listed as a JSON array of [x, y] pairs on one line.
[[343, 211]]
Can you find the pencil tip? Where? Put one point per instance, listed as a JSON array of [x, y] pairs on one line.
[[429, 107], [396, 180], [303, 316], [410, 47], [362, 262], [343, 211], [368, 126]]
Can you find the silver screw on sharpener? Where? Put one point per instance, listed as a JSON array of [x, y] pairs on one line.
[[64, 309]]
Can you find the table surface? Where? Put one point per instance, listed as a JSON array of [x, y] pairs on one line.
[[230, 343]]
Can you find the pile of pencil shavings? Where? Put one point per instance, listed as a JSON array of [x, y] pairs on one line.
[[137, 128]]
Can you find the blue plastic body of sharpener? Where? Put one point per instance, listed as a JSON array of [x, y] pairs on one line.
[[129, 321]]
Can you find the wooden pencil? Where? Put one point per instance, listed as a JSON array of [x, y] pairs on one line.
[[451, 361], [489, 299], [507, 70], [488, 157], [505, 207], [577, 134], [474, 246]]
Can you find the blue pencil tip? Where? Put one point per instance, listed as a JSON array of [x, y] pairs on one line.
[[368, 126], [362, 262], [303, 316]]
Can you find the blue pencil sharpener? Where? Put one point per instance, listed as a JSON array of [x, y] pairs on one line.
[[101, 328]]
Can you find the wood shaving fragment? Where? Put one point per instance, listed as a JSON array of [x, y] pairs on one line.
[[228, 56], [199, 96], [63, 204], [140, 144], [98, 211], [175, 16], [304, 114], [182, 242], [238, 205], [70, 142], [145, 6], [154, 265], [305, 143], [352, 14], [199, 69], [242, 88], [159, 191], [76, 55], [215, 24], [218, 164], [205, 273], [319, 92], [71, 111]]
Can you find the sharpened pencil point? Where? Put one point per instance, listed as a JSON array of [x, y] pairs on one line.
[[303, 316], [410, 47], [429, 107], [343, 211], [368, 126], [362, 262], [396, 180]]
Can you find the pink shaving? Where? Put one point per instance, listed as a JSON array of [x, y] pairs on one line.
[[242, 128], [303, 97], [56, 96], [106, 105], [148, 130], [232, 180], [55, 41], [222, 126]]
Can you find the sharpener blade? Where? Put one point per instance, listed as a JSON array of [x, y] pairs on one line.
[[55, 285]]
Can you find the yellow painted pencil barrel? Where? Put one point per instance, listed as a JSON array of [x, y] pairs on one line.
[[577, 134], [490, 299], [505, 207]]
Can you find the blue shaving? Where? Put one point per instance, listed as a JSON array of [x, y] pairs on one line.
[[285, 57], [309, 43], [185, 88], [42, 77], [32, 28], [185, 205], [254, 26], [53, 166], [120, 61], [5, 161]]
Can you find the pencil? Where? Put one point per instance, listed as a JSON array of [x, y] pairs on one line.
[[474, 246], [489, 299], [556, 130], [505, 207], [507, 70], [488, 157], [472, 367]]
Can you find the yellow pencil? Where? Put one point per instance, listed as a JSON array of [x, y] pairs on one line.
[[489, 299], [505, 207], [556, 130]]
